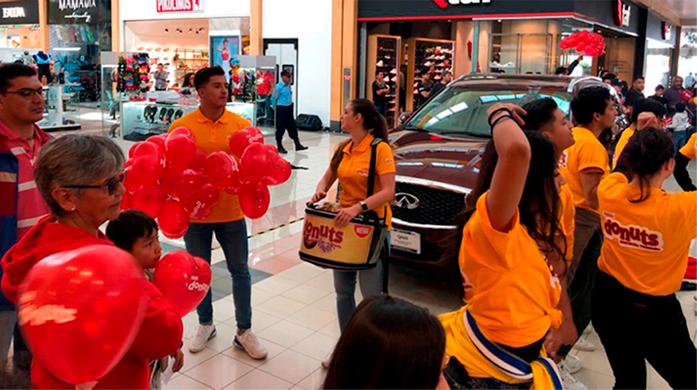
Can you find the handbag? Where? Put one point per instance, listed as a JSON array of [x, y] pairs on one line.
[[357, 246]]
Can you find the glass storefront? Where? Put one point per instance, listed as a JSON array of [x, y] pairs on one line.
[[657, 63]]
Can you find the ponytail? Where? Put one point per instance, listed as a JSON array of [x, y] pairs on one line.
[[375, 123], [645, 154]]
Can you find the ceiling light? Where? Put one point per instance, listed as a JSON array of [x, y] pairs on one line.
[[66, 49]]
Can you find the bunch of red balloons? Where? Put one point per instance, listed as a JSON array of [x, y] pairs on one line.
[[183, 279], [586, 42], [172, 180]]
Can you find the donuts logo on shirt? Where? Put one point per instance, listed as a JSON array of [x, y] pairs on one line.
[[632, 236]]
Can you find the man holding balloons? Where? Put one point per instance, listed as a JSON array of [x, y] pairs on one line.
[[212, 125]]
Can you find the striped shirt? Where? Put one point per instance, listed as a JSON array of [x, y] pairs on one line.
[[30, 205]]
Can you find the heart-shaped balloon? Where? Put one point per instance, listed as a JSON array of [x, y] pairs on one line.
[[173, 219], [240, 140], [183, 279], [222, 170], [84, 306]]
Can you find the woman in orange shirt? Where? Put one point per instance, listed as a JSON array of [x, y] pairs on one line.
[[514, 317], [350, 165], [644, 257]]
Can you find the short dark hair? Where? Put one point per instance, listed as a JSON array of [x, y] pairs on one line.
[[286, 73], [11, 71], [539, 113], [389, 343], [648, 105], [128, 227], [659, 87], [680, 107], [638, 78], [203, 75], [589, 101], [609, 76], [377, 72]]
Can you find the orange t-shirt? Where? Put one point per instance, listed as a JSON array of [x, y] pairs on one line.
[[621, 144], [514, 292], [646, 244], [353, 174], [586, 153], [690, 148], [567, 221], [213, 137]]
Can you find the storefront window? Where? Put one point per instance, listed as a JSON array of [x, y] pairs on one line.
[[687, 64], [20, 36], [657, 63], [522, 46]]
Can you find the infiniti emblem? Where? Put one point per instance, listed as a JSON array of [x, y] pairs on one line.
[[406, 201]]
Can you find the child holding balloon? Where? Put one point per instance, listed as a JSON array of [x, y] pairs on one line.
[[136, 233]]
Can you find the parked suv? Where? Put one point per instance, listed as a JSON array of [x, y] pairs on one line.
[[438, 153]]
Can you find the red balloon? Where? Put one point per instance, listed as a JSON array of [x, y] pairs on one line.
[[222, 170], [187, 184], [142, 171], [146, 149], [180, 150], [126, 201], [206, 199], [148, 200], [240, 140], [158, 140], [254, 199], [182, 131], [198, 163], [255, 162], [183, 280], [173, 219], [279, 173], [80, 311]]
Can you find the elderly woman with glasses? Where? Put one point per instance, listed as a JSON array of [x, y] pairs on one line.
[[80, 178]]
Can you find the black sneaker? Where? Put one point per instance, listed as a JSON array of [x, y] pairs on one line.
[[282, 150], [299, 148]]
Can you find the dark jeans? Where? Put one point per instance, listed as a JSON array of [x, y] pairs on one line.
[[232, 237], [588, 240], [457, 377], [635, 328], [285, 119]]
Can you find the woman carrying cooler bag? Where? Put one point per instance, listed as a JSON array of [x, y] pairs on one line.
[[351, 165]]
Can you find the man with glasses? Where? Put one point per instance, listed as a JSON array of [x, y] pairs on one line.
[[21, 204]]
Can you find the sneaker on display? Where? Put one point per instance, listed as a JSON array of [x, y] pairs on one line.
[[379, 63], [571, 364], [583, 344], [386, 79], [571, 383], [203, 335], [393, 71], [248, 342]]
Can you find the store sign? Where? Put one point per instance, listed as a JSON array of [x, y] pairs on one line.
[[19, 12], [446, 3], [622, 13], [165, 6], [78, 11], [665, 30]]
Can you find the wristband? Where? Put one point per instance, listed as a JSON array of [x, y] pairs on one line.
[[501, 119], [498, 111]]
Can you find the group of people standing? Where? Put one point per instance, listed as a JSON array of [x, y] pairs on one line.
[[554, 240]]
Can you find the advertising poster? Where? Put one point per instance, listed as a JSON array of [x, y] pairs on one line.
[[224, 49]]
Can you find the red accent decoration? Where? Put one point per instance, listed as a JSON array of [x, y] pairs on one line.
[[468, 16], [618, 14], [441, 3]]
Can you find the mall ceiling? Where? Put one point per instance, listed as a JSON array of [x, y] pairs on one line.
[[682, 12]]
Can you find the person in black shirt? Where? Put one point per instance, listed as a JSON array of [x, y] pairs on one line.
[[438, 87], [423, 90], [380, 90], [637, 91], [658, 95]]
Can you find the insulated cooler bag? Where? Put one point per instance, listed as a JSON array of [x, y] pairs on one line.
[[308, 122], [356, 246]]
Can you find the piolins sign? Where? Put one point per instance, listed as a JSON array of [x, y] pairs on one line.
[[164, 6], [447, 3]]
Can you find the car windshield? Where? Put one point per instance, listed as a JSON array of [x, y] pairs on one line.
[[462, 110]]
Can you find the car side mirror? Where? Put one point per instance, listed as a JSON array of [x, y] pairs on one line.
[[404, 117]]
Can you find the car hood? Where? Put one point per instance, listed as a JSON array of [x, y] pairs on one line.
[[445, 159]]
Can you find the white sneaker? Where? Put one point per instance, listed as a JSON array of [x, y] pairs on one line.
[[248, 342], [584, 345], [571, 364], [571, 383], [203, 335]]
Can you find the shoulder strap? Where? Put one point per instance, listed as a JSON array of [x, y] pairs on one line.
[[373, 160]]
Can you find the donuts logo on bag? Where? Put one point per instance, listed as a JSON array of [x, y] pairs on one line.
[[325, 237], [632, 236]]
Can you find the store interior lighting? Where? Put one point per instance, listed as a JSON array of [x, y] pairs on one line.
[[66, 49]]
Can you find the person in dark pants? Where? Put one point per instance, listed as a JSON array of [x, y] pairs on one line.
[[380, 90], [285, 118], [647, 234]]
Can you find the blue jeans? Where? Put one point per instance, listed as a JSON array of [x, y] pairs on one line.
[[233, 240], [345, 286], [679, 139]]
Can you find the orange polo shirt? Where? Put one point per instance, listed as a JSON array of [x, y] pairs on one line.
[[514, 293], [690, 148], [213, 137], [586, 153], [647, 243], [353, 174], [567, 221], [621, 144]]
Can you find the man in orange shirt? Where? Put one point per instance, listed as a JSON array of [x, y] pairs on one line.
[[583, 166], [212, 124]]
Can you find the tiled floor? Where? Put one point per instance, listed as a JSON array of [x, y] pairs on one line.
[[294, 303]]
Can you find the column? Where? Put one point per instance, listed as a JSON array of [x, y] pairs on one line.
[[256, 28], [115, 26], [344, 56], [43, 24]]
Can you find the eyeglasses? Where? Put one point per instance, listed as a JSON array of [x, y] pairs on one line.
[[110, 185], [26, 93]]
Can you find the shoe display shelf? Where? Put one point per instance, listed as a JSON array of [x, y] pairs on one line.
[[426, 55], [384, 55]]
